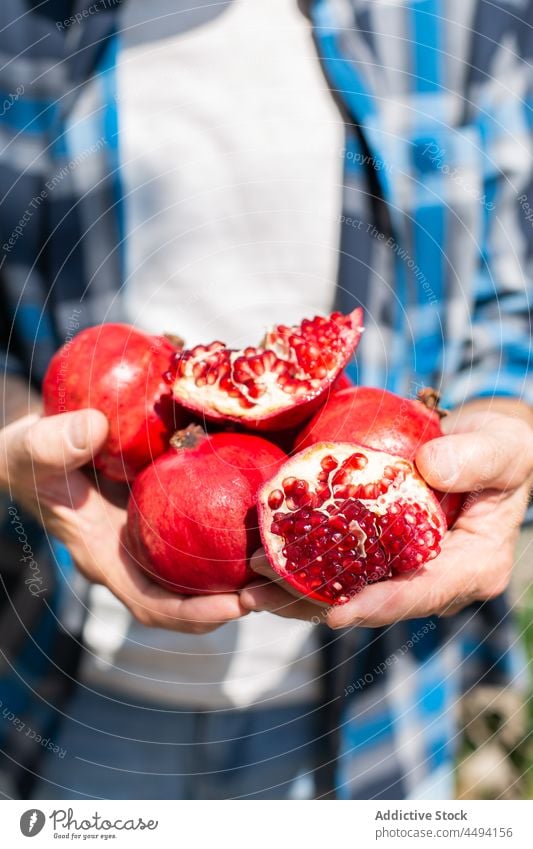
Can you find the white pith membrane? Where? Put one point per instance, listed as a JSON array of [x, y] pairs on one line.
[[292, 363], [401, 530]]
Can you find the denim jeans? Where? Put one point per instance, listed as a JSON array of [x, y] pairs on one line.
[[109, 749]]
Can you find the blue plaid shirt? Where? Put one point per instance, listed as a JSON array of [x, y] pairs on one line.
[[436, 243]]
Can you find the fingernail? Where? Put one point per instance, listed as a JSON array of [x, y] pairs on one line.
[[446, 463], [77, 431]]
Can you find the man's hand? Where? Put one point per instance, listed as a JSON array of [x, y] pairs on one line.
[[40, 462], [486, 454]]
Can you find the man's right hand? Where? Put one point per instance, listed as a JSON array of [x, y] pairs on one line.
[[40, 468]]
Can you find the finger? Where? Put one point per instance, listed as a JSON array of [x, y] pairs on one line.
[[259, 563], [498, 455], [156, 606], [274, 594], [212, 610], [53, 443], [275, 598]]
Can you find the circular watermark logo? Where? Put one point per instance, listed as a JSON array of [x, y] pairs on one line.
[[32, 822]]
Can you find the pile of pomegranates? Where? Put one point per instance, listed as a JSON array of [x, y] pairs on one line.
[[197, 433]]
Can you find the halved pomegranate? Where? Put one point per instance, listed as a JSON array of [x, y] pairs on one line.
[[276, 385], [338, 516], [384, 421]]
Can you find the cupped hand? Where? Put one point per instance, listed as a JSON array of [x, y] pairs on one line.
[[489, 456], [40, 467]]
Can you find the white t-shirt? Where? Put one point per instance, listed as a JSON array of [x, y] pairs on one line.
[[230, 146]]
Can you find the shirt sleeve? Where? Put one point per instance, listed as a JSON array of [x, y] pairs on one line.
[[496, 356]]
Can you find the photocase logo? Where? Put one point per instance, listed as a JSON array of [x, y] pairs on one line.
[[32, 822]]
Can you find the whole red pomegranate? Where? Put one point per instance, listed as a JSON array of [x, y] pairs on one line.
[[120, 371], [338, 516], [192, 519], [384, 421], [275, 385]]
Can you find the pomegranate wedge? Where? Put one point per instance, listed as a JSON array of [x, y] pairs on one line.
[[338, 516], [276, 385]]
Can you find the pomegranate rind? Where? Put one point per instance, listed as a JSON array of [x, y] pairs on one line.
[[192, 521], [408, 490], [373, 417], [276, 409], [118, 370]]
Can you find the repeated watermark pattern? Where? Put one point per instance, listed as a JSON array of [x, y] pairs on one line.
[[50, 185], [401, 253], [34, 582], [526, 208], [29, 732], [11, 99], [83, 14], [369, 677], [436, 155], [365, 159], [72, 328]]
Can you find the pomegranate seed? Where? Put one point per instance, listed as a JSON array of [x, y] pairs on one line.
[[288, 484], [256, 390], [299, 487], [355, 461], [269, 359], [288, 386], [340, 478], [328, 463], [275, 499], [338, 523]]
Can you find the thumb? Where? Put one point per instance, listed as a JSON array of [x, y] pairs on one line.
[[498, 455], [51, 444]]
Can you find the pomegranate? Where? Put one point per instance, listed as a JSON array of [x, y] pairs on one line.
[[192, 519], [274, 386], [384, 421], [342, 382], [118, 370], [338, 516]]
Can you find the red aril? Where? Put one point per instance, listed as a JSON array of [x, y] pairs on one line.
[[275, 385], [338, 516], [120, 371], [192, 519], [384, 421]]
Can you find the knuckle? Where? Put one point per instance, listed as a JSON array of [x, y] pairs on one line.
[[494, 456], [337, 621], [33, 446], [523, 433], [199, 628], [29, 443], [457, 603], [494, 585], [495, 589], [143, 616]]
